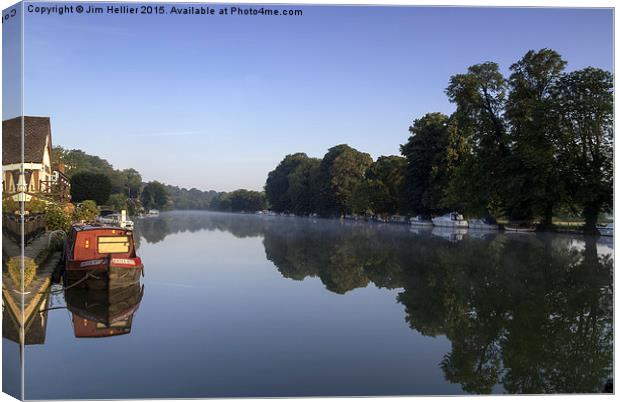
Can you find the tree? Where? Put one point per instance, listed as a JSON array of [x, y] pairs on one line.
[[90, 186], [76, 160], [341, 171], [127, 181], [532, 175], [221, 202], [277, 185], [480, 97], [154, 196], [247, 201], [303, 186], [583, 104], [389, 174], [118, 202], [426, 153]]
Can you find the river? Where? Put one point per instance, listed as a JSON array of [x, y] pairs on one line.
[[236, 305]]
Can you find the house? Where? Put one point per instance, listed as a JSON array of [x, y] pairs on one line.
[[33, 176]]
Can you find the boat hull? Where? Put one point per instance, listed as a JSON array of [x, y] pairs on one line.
[[449, 224], [102, 278], [519, 230], [422, 224], [483, 226]]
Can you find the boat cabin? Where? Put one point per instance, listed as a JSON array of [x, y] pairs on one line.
[[455, 216], [89, 242]]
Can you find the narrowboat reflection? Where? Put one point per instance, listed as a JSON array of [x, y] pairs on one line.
[[101, 313]]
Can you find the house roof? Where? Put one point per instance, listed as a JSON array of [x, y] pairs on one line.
[[36, 129]]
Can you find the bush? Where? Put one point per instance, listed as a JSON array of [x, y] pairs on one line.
[[56, 218], [35, 206], [86, 211], [15, 270]]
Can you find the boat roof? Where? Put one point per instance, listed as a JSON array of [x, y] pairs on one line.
[[93, 226]]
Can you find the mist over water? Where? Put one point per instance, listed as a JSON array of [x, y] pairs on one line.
[[248, 305]]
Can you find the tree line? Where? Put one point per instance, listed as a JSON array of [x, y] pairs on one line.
[[94, 178], [524, 147]]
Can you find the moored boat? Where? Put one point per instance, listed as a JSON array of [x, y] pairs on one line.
[[398, 219], [606, 230], [421, 220], [520, 227], [116, 219], [487, 223], [451, 220], [100, 257], [153, 213]]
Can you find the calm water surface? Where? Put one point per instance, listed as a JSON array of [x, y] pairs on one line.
[[244, 305]]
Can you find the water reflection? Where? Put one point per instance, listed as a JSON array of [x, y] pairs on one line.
[[101, 313], [35, 323], [529, 313]]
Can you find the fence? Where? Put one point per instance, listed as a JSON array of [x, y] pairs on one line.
[[34, 224]]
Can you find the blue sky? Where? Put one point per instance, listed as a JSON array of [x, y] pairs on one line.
[[216, 102]]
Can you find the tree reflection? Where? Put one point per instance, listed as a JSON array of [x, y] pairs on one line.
[[525, 313], [531, 313]]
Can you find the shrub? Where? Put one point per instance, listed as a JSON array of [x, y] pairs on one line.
[[56, 218], [86, 211], [35, 206]]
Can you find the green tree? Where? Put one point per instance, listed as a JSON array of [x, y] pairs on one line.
[[480, 96], [277, 185], [426, 153], [583, 104], [303, 186], [221, 202], [387, 178], [247, 201], [126, 181], [341, 171], [532, 179], [154, 196], [118, 202], [76, 160], [90, 186]]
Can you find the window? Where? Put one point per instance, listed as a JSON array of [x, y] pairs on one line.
[[115, 244]]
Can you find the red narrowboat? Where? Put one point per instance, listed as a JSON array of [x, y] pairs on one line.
[[101, 257]]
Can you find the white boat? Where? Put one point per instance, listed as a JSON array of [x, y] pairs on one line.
[[451, 220], [420, 221], [153, 213], [606, 230], [483, 224], [115, 219]]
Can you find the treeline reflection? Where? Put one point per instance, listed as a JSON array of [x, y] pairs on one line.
[[532, 313]]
